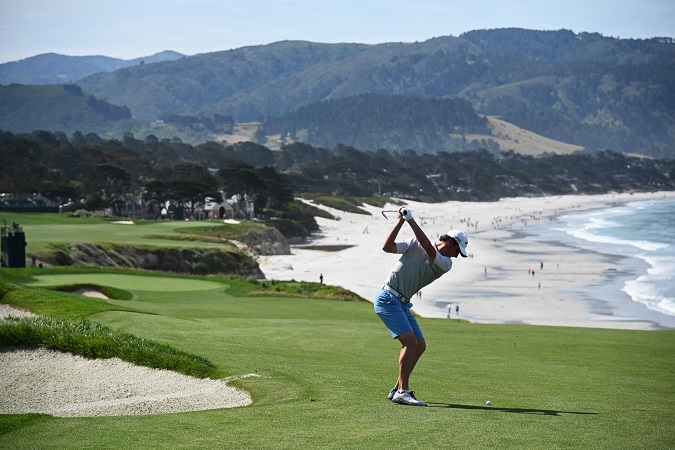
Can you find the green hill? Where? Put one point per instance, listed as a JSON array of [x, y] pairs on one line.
[[67, 109], [371, 121], [58, 108]]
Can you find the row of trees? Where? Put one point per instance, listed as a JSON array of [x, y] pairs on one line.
[[191, 183], [98, 170]]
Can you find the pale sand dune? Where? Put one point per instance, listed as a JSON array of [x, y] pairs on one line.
[[507, 294]]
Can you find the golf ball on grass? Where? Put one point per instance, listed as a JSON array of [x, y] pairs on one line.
[[489, 403]]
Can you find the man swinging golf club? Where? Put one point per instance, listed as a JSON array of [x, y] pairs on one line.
[[421, 262]]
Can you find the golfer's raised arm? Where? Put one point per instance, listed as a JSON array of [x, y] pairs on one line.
[[389, 245], [421, 237]]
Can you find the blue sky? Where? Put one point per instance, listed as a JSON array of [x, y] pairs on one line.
[[133, 28]]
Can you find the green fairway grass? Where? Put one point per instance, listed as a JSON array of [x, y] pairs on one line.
[[325, 367], [44, 229], [128, 281]]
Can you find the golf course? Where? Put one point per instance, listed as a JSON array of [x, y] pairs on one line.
[[324, 364]]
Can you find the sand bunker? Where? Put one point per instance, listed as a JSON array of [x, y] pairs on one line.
[[65, 385]]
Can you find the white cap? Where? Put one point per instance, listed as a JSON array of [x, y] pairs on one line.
[[461, 239]]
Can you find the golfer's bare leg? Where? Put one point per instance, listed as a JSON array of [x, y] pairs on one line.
[[421, 347], [411, 351]]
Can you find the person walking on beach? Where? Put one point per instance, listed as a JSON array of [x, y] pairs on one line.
[[421, 263]]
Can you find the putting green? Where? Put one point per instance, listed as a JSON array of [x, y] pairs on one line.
[[40, 236], [130, 282]]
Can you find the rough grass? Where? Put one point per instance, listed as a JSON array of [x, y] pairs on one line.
[[94, 340], [108, 291], [50, 303], [305, 289]]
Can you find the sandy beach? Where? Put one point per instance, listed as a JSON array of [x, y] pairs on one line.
[[509, 277]]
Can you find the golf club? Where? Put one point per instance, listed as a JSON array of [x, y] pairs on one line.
[[390, 211], [387, 211]]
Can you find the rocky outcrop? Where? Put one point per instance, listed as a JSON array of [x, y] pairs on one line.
[[195, 261], [267, 242]]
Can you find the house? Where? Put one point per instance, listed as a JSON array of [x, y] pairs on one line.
[[132, 206], [214, 210], [245, 205]]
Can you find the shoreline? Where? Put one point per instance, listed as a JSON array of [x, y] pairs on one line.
[[574, 287], [609, 300], [600, 292]]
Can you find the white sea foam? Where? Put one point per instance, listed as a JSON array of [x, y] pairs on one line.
[[640, 244], [596, 229], [656, 289], [643, 230]]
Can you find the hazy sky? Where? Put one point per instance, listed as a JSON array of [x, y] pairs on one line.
[[132, 28]]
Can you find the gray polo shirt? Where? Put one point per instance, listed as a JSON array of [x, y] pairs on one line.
[[414, 269]]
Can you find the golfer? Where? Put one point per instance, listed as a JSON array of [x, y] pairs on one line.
[[421, 262]]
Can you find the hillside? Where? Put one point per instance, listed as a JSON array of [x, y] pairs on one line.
[[66, 109], [373, 121], [583, 89], [52, 68], [511, 137], [60, 108], [506, 135], [586, 90]]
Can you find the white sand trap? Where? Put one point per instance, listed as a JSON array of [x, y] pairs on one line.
[[65, 385], [91, 293]]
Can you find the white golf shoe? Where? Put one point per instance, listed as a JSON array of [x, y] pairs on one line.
[[407, 398], [391, 394]]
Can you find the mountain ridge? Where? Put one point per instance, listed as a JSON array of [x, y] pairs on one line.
[[583, 89], [55, 68]]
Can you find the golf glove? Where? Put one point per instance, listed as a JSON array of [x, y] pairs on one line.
[[407, 214]]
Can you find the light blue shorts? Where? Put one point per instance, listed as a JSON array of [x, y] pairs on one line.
[[396, 316]]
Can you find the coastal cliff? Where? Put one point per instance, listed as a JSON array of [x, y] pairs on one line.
[[195, 261]]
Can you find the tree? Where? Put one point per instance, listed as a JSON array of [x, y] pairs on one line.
[[190, 191], [187, 184], [214, 154], [254, 154], [112, 183], [276, 190], [241, 180], [21, 166]]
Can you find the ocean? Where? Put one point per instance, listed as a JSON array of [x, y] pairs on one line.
[[642, 230]]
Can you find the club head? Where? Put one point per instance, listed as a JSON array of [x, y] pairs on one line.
[[387, 211]]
